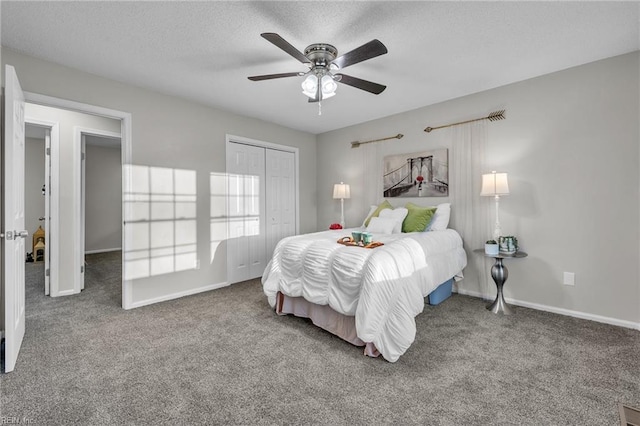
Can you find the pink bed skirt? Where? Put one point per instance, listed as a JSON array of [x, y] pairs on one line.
[[326, 318]]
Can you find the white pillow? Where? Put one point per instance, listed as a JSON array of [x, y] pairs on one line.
[[380, 225], [398, 214], [371, 210], [440, 219]]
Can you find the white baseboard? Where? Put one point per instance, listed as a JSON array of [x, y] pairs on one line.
[[65, 293], [102, 250], [556, 310], [177, 295]]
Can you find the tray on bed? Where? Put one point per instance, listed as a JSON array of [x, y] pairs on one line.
[[348, 241]]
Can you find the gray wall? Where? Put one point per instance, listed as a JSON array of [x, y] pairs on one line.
[[33, 181], [169, 132], [103, 202], [570, 144]]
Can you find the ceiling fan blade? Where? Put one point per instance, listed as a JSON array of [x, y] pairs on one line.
[[366, 51], [359, 83], [272, 76], [286, 46]]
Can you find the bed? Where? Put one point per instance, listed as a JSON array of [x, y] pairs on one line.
[[369, 297]]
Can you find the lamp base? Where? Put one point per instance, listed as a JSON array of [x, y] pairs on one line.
[[497, 230]]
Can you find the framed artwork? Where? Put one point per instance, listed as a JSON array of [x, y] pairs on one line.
[[420, 174]]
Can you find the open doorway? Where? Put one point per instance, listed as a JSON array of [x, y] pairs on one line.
[[37, 199], [87, 183], [101, 202]]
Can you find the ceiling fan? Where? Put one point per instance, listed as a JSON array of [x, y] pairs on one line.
[[323, 62]]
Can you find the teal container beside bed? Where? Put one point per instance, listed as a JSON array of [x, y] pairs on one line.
[[442, 293]]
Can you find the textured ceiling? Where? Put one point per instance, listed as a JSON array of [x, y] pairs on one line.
[[204, 51]]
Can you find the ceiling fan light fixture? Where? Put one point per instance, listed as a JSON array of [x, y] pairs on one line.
[[323, 61], [329, 86], [310, 86]]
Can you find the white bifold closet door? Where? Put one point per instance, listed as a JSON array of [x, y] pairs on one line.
[[261, 207], [246, 256], [281, 197]]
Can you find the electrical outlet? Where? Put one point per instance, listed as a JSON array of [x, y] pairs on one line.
[[569, 278]]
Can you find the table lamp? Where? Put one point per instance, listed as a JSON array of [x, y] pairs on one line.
[[495, 184], [341, 191]]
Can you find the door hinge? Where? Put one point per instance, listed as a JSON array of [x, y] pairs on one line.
[[48, 151], [82, 269], [46, 272]]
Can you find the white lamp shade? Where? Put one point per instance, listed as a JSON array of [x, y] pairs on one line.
[[494, 184], [328, 86], [310, 86], [341, 191]]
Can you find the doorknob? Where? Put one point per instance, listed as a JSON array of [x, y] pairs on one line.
[[12, 235], [41, 218]]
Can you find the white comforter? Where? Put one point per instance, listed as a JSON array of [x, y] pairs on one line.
[[384, 288]]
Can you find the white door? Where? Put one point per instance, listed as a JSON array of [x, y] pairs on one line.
[[246, 257], [280, 197], [47, 211], [13, 232]]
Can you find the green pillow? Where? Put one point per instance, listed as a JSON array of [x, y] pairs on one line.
[[384, 205], [417, 218]]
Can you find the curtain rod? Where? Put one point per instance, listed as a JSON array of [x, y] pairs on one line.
[[357, 143], [494, 116]]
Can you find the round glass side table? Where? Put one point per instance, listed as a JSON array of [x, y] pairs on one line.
[[499, 273]]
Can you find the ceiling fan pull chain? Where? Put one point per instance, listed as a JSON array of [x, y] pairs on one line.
[[320, 108]]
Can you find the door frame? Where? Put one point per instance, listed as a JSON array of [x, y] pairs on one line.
[[53, 231], [126, 155], [79, 196]]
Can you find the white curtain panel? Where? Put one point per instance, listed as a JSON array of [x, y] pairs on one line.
[[469, 211], [372, 176]]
